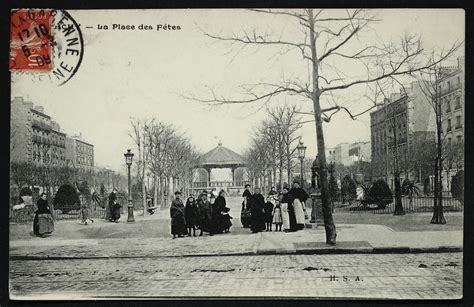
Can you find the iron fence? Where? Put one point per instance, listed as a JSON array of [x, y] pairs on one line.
[[413, 205], [93, 210]]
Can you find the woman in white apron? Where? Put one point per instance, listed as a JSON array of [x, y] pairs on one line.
[[299, 213]]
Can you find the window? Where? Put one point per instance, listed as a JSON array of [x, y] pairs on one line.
[[458, 80], [449, 141], [459, 138], [448, 128], [458, 122], [449, 85], [448, 106], [458, 102]]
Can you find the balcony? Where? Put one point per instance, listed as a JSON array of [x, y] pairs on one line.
[[452, 88], [40, 125], [41, 140]]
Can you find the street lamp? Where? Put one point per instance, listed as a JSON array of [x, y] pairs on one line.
[[128, 160], [301, 152]]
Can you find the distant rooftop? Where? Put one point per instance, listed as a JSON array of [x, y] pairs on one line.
[[221, 156]]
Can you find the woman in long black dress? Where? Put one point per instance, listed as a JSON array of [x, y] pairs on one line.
[[220, 217], [178, 224], [43, 224]]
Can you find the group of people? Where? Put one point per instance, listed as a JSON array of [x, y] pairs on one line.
[[207, 214], [286, 210]]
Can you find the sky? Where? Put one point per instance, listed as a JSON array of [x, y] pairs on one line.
[[147, 74]]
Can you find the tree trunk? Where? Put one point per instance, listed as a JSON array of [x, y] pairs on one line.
[[329, 225], [438, 215], [280, 170], [288, 165], [398, 196], [155, 188], [396, 173]]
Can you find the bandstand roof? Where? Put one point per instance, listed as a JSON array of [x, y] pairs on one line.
[[221, 157]]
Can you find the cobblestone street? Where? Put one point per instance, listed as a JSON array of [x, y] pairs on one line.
[[396, 276]]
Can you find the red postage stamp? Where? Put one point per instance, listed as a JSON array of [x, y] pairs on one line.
[[30, 40]]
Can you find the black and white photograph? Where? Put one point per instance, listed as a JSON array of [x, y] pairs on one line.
[[236, 154]]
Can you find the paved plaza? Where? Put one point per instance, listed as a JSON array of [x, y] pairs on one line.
[[141, 260], [395, 276]]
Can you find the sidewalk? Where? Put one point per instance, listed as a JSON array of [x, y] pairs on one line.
[[149, 237]]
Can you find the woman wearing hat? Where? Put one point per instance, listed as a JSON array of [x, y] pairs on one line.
[[178, 224]]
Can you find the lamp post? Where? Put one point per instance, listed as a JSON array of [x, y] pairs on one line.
[[128, 160], [301, 152]]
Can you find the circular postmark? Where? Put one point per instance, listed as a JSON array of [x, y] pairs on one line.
[[45, 45]]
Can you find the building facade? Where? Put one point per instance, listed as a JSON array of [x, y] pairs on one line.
[[451, 89], [401, 122], [34, 136], [360, 151], [79, 153], [348, 153], [330, 155]]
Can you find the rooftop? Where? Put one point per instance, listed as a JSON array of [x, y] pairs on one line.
[[221, 156]]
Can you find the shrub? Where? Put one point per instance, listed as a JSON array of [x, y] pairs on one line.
[[348, 189], [409, 188], [66, 199], [379, 194], [457, 186]]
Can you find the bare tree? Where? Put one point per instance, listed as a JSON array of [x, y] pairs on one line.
[[430, 85], [288, 121], [328, 34], [138, 136]]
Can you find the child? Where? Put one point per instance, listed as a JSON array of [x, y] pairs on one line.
[[268, 214], [277, 217], [191, 215]]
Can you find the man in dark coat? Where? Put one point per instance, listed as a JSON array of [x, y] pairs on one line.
[[204, 213], [257, 207]]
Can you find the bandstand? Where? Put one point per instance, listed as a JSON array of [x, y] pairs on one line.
[[218, 158]]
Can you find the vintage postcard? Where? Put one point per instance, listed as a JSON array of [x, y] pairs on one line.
[[236, 153]]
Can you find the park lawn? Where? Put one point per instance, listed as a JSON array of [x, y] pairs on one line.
[[407, 222]]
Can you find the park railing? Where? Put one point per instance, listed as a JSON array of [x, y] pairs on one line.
[[93, 210], [413, 205]]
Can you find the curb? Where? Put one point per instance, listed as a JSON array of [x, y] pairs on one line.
[[309, 251]]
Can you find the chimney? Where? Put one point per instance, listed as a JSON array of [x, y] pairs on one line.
[[18, 99]]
